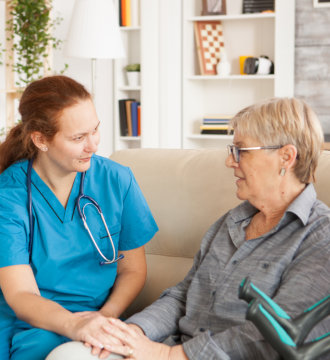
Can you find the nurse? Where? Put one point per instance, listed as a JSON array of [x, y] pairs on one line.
[[64, 283]]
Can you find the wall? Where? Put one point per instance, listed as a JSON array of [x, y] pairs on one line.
[[80, 70], [312, 58]]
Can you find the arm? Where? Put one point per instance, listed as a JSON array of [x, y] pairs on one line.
[[23, 296], [131, 275], [304, 282]]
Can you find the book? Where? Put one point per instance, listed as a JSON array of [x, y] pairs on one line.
[[216, 132], [139, 120], [120, 14], [214, 127], [129, 117], [134, 115], [128, 13], [123, 12], [123, 116]]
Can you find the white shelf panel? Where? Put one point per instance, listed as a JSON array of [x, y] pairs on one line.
[[130, 138], [231, 77], [255, 16], [130, 28], [210, 137], [129, 88]]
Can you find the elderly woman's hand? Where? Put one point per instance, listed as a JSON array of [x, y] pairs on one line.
[[135, 345]]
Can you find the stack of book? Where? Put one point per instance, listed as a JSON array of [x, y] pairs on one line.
[[216, 124], [129, 13], [130, 117]]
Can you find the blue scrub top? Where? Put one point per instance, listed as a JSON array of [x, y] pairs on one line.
[[64, 260]]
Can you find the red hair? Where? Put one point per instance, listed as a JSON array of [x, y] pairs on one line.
[[40, 106]]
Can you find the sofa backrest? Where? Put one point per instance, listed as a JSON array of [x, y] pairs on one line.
[[187, 190]]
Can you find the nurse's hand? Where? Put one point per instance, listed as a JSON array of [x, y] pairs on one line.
[[91, 327], [135, 345]]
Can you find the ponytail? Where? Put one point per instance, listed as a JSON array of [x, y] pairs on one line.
[[17, 145]]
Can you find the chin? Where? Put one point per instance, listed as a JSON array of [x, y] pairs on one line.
[[240, 195], [82, 166]]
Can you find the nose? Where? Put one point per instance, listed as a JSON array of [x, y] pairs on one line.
[[230, 162], [92, 143]]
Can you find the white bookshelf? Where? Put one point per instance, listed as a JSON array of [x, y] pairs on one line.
[[140, 43], [270, 34]]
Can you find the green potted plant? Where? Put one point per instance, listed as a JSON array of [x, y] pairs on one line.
[[30, 27], [133, 74]]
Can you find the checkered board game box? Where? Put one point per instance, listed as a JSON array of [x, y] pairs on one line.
[[209, 42]]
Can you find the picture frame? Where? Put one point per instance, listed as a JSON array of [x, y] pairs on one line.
[[214, 7], [209, 43], [321, 3]]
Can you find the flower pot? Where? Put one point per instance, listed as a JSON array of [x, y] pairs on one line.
[[133, 78]]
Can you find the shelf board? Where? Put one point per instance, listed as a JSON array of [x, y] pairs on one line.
[[130, 138], [209, 137], [11, 91], [231, 77], [233, 17], [129, 88], [130, 28]]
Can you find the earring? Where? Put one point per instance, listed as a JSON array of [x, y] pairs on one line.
[[44, 148], [283, 171]]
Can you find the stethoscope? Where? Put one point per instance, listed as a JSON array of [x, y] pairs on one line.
[[82, 215]]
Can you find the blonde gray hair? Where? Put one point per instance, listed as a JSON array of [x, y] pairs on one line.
[[282, 121]]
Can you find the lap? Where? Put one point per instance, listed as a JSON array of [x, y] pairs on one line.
[[75, 350], [34, 344]]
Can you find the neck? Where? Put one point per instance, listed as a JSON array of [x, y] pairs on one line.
[[272, 208], [59, 181]]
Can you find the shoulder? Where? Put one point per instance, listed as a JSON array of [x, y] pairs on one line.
[[13, 192], [13, 181], [105, 171], [102, 165]]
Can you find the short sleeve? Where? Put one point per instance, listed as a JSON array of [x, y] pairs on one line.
[[138, 225], [13, 233]]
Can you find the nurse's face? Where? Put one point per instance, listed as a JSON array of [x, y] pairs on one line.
[[77, 140]]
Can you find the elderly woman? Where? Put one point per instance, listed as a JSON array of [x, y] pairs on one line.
[[279, 236]]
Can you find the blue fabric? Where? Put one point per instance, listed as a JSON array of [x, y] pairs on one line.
[[64, 260]]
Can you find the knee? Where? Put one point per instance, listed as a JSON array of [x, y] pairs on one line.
[[34, 344], [75, 350]]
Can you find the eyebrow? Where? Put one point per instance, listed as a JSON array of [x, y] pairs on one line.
[[84, 133]]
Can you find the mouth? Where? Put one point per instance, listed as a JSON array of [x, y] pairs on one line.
[[87, 159], [239, 179]]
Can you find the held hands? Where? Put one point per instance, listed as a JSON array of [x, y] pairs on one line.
[[133, 344], [90, 327], [107, 335]]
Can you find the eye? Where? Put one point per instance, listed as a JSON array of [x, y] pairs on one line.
[[78, 138]]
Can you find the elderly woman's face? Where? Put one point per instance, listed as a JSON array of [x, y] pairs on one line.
[[257, 171]]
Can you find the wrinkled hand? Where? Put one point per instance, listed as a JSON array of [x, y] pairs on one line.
[[91, 328], [134, 344]]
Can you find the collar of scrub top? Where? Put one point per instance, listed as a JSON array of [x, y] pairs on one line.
[[82, 215]]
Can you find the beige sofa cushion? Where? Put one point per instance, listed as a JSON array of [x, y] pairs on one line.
[[187, 190]]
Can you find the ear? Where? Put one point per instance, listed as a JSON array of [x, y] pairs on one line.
[[288, 155], [39, 140]]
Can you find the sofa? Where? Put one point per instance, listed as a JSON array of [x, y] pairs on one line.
[[187, 190]]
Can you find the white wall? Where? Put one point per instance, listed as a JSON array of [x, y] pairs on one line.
[[80, 70]]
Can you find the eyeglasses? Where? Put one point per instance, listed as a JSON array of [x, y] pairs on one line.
[[235, 150]]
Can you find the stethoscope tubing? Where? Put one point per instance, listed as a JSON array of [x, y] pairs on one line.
[[82, 215]]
